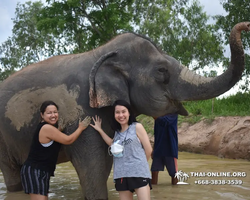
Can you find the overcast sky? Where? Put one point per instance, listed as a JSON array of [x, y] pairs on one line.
[[7, 10]]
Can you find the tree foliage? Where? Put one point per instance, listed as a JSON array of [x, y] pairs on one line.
[[72, 26], [85, 24], [27, 44], [181, 28], [237, 11]]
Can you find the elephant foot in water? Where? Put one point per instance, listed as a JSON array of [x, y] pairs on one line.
[[12, 178], [15, 188]]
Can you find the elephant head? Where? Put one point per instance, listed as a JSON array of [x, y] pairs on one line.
[[153, 82]]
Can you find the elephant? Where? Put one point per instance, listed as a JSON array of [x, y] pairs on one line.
[[128, 67]]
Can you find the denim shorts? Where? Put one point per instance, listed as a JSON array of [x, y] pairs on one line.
[[35, 181], [131, 183]]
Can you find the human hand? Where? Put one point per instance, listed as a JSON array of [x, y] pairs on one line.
[[84, 123], [97, 123]]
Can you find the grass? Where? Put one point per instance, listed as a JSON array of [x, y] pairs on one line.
[[235, 105], [148, 123]]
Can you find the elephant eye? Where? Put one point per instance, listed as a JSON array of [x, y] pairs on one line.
[[162, 70], [162, 75]]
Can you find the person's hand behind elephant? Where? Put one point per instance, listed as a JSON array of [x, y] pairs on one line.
[[84, 123], [97, 123]]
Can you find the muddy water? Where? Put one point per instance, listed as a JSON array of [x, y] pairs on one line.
[[203, 181]]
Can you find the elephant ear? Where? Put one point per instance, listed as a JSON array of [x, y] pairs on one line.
[[107, 81]]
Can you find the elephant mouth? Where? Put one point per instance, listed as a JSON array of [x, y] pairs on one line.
[[175, 107]]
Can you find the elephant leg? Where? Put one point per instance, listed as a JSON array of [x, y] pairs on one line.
[[11, 178], [10, 170], [93, 170]]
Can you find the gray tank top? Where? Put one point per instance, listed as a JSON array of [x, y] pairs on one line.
[[134, 162]]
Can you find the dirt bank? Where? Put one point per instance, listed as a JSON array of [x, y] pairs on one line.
[[227, 137]]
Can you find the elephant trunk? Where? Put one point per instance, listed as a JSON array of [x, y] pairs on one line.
[[195, 87]]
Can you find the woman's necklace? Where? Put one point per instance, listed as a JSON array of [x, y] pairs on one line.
[[124, 133]]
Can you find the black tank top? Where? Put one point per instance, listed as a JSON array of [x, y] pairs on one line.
[[40, 157]]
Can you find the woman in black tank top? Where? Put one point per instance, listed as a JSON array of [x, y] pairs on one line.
[[44, 150]]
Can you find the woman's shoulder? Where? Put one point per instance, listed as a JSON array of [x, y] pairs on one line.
[[41, 124], [45, 126], [138, 125]]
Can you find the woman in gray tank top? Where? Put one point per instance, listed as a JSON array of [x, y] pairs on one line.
[[131, 150]]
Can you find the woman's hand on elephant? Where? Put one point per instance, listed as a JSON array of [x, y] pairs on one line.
[[98, 126], [97, 123], [84, 123]]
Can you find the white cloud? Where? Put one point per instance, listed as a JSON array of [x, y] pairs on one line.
[[7, 10], [212, 7]]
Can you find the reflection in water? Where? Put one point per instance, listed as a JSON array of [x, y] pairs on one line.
[[65, 184]]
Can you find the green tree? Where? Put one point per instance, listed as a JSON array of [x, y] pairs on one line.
[[237, 11], [27, 44], [85, 24], [181, 28]]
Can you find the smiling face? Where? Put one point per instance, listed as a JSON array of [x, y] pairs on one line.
[[121, 114], [50, 115]]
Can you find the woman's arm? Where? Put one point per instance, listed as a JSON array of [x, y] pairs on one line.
[[49, 132], [143, 136], [98, 126]]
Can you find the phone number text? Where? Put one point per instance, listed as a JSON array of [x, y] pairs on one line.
[[218, 182]]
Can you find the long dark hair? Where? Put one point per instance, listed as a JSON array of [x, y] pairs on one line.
[[115, 125]]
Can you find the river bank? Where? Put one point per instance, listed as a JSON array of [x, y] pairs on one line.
[[225, 137]]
